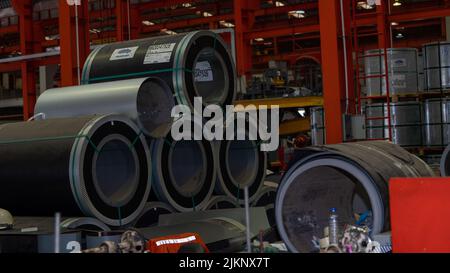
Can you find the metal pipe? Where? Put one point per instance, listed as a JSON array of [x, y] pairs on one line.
[[351, 177], [57, 227], [344, 46], [247, 221]]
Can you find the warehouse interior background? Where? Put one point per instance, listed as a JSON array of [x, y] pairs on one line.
[[341, 71]]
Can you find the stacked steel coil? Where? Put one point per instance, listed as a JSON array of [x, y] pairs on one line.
[[101, 148]]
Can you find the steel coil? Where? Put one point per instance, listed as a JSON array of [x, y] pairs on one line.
[[240, 163], [353, 178], [195, 64], [184, 172], [146, 101], [95, 166]]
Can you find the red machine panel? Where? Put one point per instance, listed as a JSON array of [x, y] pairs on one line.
[[420, 215]]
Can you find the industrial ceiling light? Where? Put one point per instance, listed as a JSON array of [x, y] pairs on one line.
[[399, 36], [168, 31], [397, 3], [297, 13], [186, 5], [148, 23], [259, 39], [277, 3], [226, 24], [364, 5], [394, 24]]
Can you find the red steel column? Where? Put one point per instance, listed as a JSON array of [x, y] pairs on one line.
[[332, 69], [383, 27], [25, 11]]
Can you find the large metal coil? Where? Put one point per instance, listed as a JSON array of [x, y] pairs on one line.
[[150, 215], [221, 202], [147, 101], [437, 66], [240, 163], [95, 166], [406, 123], [352, 177], [402, 68], [195, 64], [436, 118], [184, 172]]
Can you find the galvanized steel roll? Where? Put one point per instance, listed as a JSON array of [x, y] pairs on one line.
[[436, 120], [437, 66], [184, 172], [147, 101], [402, 69], [195, 64], [95, 166], [352, 177], [406, 123]]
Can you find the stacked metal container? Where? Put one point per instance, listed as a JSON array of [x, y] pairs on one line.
[[404, 120]]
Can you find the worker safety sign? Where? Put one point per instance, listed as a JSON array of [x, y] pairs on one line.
[[159, 53], [123, 53]]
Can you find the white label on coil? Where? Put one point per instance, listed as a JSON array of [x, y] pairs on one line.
[[203, 72], [396, 63], [159, 53], [398, 81], [123, 53]]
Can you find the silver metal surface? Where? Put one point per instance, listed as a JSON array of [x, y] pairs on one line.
[[436, 66], [147, 101], [403, 75], [436, 118], [317, 126], [406, 122]]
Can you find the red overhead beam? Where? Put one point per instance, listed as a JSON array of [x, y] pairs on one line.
[[282, 31]]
